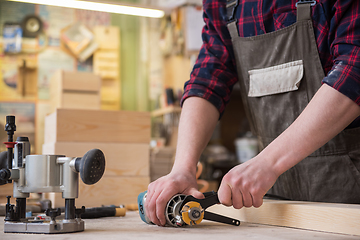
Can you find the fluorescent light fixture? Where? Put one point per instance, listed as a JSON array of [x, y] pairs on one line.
[[100, 6]]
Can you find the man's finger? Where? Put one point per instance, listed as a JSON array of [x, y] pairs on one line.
[[257, 200], [247, 199], [161, 203], [195, 193], [225, 194], [150, 206], [237, 199]]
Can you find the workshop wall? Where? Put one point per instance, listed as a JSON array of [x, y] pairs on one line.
[[40, 57]]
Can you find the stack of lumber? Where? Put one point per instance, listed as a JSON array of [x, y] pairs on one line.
[[124, 138], [75, 90], [161, 162]]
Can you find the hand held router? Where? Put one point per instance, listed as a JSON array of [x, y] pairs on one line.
[[45, 173]]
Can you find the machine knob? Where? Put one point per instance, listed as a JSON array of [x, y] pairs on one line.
[[79, 211], [10, 126], [53, 213], [3, 167], [5, 174], [3, 160], [91, 166]]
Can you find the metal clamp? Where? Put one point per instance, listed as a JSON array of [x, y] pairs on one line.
[[211, 198], [312, 2], [230, 9]]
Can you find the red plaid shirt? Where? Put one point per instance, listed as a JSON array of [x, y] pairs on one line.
[[337, 31]]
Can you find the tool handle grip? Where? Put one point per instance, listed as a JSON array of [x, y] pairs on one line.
[[98, 212], [91, 166], [221, 219]]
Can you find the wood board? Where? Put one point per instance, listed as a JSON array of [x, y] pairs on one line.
[[327, 217], [75, 90], [122, 159], [68, 125], [6, 190], [108, 37], [108, 191], [79, 100], [131, 227]]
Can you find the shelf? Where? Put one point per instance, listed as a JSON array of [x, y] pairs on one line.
[[166, 110]]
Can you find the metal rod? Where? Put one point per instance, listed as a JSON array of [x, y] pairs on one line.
[[70, 208], [20, 207]]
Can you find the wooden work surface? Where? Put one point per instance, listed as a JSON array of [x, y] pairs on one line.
[[131, 227]]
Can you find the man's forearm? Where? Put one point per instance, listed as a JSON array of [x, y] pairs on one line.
[[327, 114], [197, 123]]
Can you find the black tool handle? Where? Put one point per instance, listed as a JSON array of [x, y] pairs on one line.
[[221, 219], [91, 166], [211, 198], [53, 213], [10, 128], [79, 211], [98, 212]]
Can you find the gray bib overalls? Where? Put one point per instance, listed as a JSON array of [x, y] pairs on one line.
[[279, 72]]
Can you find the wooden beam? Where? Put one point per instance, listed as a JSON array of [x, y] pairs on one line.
[[166, 110], [327, 217], [75, 125], [6, 190]]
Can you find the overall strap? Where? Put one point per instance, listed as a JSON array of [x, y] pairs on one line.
[[231, 20], [303, 11]]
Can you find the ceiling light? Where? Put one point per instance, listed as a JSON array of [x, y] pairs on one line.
[[100, 6]]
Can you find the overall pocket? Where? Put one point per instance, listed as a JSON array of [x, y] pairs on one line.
[[277, 79], [277, 95]]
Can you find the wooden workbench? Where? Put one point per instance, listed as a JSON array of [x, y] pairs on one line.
[[131, 227]]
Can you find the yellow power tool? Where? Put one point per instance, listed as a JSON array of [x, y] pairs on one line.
[[184, 210]]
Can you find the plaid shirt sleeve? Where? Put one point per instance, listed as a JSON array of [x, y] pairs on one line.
[[344, 41], [336, 28], [214, 72]]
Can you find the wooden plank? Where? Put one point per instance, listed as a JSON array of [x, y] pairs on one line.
[[106, 64], [327, 217], [68, 125], [80, 100], [108, 37], [108, 191], [122, 159], [80, 81], [104, 55], [6, 190], [166, 110], [110, 90], [27, 80], [42, 109], [55, 91], [75, 90]]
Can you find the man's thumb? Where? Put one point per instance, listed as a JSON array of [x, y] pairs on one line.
[[196, 194]]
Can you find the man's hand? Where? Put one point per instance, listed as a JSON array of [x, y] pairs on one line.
[[247, 183], [197, 122], [161, 190], [327, 114]]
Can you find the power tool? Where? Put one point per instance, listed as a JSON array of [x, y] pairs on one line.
[[45, 173], [183, 210]]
